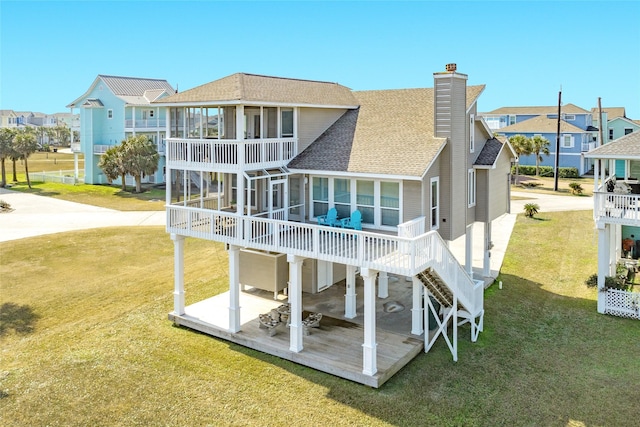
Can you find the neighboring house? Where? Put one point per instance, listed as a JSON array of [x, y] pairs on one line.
[[577, 133], [114, 108], [616, 210], [619, 127], [8, 119], [421, 170], [25, 118]]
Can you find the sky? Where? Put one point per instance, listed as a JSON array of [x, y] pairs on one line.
[[525, 52]]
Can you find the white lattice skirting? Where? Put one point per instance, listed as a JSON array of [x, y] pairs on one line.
[[622, 303]]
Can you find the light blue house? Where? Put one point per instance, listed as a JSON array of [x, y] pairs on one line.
[[114, 108], [577, 133]]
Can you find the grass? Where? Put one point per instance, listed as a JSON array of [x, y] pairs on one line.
[[546, 185], [106, 196], [86, 341]]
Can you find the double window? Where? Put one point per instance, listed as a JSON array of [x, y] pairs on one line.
[[567, 141]]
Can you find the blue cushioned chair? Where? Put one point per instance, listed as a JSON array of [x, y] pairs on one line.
[[330, 219]]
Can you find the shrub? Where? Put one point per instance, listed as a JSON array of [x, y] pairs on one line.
[[609, 282], [530, 209], [546, 171], [576, 188]]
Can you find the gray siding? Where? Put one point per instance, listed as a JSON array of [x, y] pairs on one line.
[[412, 200], [499, 186], [482, 195], [312, 122]]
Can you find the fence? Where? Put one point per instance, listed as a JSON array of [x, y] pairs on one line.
[[62, 177]]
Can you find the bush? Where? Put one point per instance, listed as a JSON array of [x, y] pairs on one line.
[[546, 171], [617, 282], [530, 209], [576, 188]]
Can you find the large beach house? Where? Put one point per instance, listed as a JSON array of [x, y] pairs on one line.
[[316, 189]]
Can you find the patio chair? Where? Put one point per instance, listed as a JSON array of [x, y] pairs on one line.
[[354, 222], [330, 219]]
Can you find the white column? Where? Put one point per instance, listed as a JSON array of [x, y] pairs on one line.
[[486, 262], [369, 346], [417, 327], [133, 119], [295, 301], [178, 273], [240, 176], [603, 263], [614, 236], [234, 288], [468, 249], [383, 285], [350, 295]]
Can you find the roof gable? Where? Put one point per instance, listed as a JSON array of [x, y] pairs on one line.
[[626, 147], [536, 111], [540, 124], [130, 89]]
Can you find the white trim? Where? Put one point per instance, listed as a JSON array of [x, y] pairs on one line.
[[343, 174], [472, 133], [435, 180], [471, 187], [250, 104]]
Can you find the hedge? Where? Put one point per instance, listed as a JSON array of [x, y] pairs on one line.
[[546, 171]]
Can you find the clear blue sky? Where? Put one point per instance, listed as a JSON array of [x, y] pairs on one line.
[[51, 51]]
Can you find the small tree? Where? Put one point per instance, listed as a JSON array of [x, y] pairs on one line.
[[25, 144], [6, 150], [522, 147], [140, 158], [112, 165], [530, 209], [539, 146]]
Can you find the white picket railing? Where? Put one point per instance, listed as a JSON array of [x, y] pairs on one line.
[[617, 208], [406, 256], [145, 123], [622, 303], [229, 155]]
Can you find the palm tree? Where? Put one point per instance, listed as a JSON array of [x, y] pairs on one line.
[[522, 146], [112, 165], [539, 146], [6, 150], [25, 144], [140, 158]]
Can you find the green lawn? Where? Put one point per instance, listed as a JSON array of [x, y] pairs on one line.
[[85, 340]]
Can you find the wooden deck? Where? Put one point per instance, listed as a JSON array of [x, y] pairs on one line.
[[334, 348]]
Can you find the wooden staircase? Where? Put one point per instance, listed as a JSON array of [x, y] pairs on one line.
[[452, 310]]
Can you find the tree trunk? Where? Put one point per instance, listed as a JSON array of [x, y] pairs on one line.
[[138, 184], [4, 173], [178, 191], [124, 182], [26, 170], [15, 177], [517, 173], [537, 165]]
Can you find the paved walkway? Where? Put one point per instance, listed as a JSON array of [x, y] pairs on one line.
[[38, 215]]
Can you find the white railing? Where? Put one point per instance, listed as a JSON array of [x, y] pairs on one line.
[[229, 155], [62, 176], [145, 123], [405, 256], [101, 148], [75, 147], [622, 303], [588, 146], [617, 208], [412, 228]]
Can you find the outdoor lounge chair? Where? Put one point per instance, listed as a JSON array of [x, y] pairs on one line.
[[330, 219], [354, 221]]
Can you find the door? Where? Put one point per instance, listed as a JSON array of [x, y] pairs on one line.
[[252, 123], [275, 199]]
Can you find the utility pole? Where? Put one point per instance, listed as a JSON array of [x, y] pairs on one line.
[[557, 160], [601, 125]]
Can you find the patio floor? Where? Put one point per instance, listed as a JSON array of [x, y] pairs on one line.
[[336, 346]]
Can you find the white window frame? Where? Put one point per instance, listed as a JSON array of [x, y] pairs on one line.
[[434, 210], [569, 117], [563, 141], [110, 114], [472, 132], [471, 190], [512, 119]]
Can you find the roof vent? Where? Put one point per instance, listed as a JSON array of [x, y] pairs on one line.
[[451, 68]]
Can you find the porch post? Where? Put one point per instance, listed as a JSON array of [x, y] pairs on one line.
[[133, 121], [234, 288], [178, 273], [369, 346], [350, 296], [596, 173], [416, 312], [468, 249], [240, 147], [383, 285], [486, 262], [295, 300], [603, 263], [615, 246]]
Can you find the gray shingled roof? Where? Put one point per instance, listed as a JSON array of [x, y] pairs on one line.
[[93, 102], [553, 109], [489, 153], [540, 124], [392, 133], [612, 112], [626, 147], [264, 89]]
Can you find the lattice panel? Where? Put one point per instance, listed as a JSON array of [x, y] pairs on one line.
[[622, 303]]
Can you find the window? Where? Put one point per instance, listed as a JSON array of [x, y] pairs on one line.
[[471, 183], [512, 120], [110, 114], [627, 131], [150, 113], [567, 141], [342, 196], [569, 117], [286, 123], [320, 195], [434, 203], [610, 134], [471, 133], [365, 197], [389, 203]]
